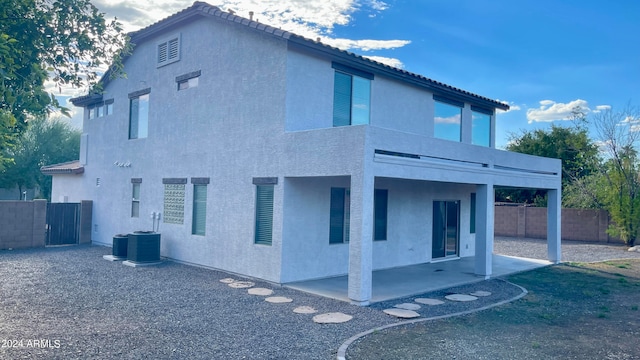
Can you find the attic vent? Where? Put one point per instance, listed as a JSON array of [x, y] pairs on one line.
[[169, 51]]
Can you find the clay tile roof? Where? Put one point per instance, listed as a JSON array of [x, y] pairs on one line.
[[71, 167], [203, 9]]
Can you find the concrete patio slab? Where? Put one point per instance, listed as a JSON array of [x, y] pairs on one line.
[[411, 280]]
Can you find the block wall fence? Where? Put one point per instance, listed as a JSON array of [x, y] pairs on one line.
[[531, 222], [23, 224]]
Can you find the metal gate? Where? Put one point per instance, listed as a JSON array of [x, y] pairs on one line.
[[63, 223]]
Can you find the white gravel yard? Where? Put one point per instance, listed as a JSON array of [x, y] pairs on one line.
[[69, 303]]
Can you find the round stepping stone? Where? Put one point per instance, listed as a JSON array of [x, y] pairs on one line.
[[402, 313], [278, 300], [332, 318], [227, 280], [305, 310], [241, 284], [460, 297], [427, 301], [260, 291], [480, 293], [408, 306]]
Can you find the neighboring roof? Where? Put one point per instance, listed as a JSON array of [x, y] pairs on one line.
[[86, 99], [203, 9], [71, 167]]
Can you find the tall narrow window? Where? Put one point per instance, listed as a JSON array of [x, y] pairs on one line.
[[139, 116], [199, 218], [380, 201], [472, 211], [351, 99], [339, 216], [480, 128], [448, 121], [264, 214], [135, 200], [108, 107]]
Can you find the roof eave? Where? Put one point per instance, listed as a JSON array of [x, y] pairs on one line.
[[85, 100]]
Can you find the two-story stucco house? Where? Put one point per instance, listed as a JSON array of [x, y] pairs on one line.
[[263, 153]]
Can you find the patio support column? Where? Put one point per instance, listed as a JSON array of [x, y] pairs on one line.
[[554, 233], [361, 240], [484, 229]]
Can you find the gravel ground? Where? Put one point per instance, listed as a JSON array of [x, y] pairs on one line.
[[69, 303], [572, 251], [84, 307]]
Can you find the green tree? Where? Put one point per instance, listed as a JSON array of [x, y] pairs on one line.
[[44, 142], [579, 155], [617, 183], [67, 42]]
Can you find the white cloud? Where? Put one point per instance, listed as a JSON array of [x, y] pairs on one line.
[[454, 119], [366, 45], [601, 108], [512, 107], [379, 5], [550, 110], [309, 18], [396, 63], [630, 120]]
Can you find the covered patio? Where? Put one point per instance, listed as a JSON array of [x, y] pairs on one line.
[[417, 279]]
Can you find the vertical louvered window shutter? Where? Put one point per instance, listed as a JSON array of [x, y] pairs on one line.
[[162, 53], [380, 201], [264, 214], [342, 99], [199, 219], [173, 49]]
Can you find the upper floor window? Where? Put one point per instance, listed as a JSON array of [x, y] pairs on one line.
[[139, 114], [101, 109], [189, 80], [169, 51], [351, 96], [480, 126], [448, 119]]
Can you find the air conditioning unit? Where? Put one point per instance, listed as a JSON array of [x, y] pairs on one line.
[[120, 245], [143, 246]]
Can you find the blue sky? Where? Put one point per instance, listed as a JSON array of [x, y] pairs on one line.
[[542, 57]]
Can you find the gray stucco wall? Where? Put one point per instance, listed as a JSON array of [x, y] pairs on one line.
[[308, 254], [215, 130], [264, 110]]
